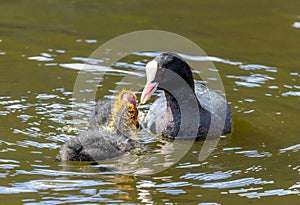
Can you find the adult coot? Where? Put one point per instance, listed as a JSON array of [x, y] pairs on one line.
[[106, 142], [185, 109]]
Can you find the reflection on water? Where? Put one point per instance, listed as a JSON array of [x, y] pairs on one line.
[[46, 121], [296, 24]]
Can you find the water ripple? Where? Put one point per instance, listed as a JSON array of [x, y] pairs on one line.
[[93, 68], [275, 192], [28, 143], [254, 80], [173, 184], [296, 25], [172, 191], [258, 67], [88, 60], [210, 177], [254, 153], [40, 58], [235, 183], [44, 96], [293, 148], [291, 93], [75, 199], [49, 172], [44, 184], [295, 186]]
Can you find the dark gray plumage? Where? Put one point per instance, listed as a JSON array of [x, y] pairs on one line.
[[183, 99], [94, 145], [112, 139], [102, 113]]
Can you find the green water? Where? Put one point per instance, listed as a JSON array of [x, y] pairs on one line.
[[257, 47]]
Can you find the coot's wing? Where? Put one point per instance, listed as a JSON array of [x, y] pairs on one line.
[[217, 105]]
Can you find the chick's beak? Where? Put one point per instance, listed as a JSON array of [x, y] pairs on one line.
[[149, 89]]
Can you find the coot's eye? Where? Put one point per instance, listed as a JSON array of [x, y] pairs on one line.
[[162, 71]]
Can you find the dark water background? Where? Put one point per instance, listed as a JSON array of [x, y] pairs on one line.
[[256, 49]]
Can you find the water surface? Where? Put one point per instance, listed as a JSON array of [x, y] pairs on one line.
[[253, 44]]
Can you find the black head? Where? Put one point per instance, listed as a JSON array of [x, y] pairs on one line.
[[162, 70]]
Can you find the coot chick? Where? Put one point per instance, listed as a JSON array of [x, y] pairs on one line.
[[110, 142], [185, 110], [104, 109]]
